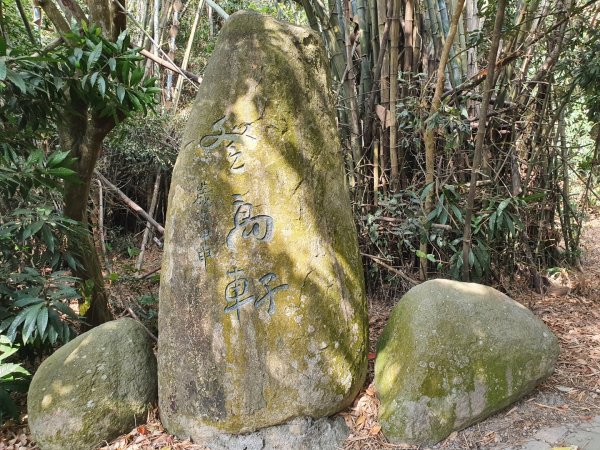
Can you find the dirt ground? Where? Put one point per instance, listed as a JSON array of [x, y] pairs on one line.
[[571, 395]]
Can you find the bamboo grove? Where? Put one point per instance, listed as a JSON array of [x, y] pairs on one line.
[[454, 116], [467, 126]]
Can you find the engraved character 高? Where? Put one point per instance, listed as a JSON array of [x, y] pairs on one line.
[[259, 227]]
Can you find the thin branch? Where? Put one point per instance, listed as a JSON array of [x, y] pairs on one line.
[[133, 205], [25, 21], [218, 9], [169, 63], [392, 269], [134, 316]]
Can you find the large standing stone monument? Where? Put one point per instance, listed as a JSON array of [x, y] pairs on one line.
[[262, 305]]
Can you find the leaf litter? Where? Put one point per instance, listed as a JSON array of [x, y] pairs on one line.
[[570, 395]]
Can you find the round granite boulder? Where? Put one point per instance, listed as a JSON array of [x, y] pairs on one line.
[[94, 388], [453, 353]]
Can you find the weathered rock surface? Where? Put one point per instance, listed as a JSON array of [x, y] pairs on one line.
[[94, 388], [263, 315], [302, 433], [453, 353]]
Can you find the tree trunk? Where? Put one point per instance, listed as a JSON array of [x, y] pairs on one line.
[[82, 133], [84, 140]]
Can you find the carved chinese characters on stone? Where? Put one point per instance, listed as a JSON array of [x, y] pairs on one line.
[[233, 139], [247, 225], [263, 313], [202, 203], [237, 292]]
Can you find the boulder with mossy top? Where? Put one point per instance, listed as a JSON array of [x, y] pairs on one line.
[[453, 353], [263, 315], [94, 388]]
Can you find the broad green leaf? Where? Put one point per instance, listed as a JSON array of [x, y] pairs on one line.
[[4, 325], [48, 238], [65, 309], [101, 86], [42, 322], [94, 56], [136, 103], [121, 39], [30, 321], [7, 351], [120, 93], [61, 172], [93, 79], [57, 157], [2, 68], [503, 204], [18, 320], [17, 80], [136, 76], [112, 64], [52, 335], [428, 188], [70, 261], [22, 302], [10, 369], [33, 229], [457, 213]]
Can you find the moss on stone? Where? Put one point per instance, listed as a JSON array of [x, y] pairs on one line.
[[309, 356], [94, 388], [454, 353]]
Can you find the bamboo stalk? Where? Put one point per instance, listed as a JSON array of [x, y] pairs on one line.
[[25, 21], [477, 157], [429, 135], [147, 230], [155, 33], [172, 47], [408, 36], [220, 11], [366, 82], [350, 90], [101, 233], [187, 53], [394, 56]]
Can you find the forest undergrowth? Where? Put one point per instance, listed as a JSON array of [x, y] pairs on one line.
[[570, 395]]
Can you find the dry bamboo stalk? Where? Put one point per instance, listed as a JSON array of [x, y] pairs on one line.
[[394, 41], [375, 171], [147, 230], [186, 55], [409, 13], [101, 225], [350, 90], [429, 136], [130, 203], [477, 157]]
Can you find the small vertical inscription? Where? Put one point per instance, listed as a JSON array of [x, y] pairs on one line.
[[202, 202], [259, 227]]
